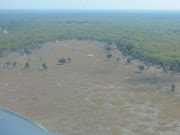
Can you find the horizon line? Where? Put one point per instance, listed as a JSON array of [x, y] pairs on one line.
[[85, 9]]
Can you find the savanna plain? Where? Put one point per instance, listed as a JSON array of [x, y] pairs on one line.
[[91, 95]]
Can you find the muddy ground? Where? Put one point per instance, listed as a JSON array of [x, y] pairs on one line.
[[90, 95]]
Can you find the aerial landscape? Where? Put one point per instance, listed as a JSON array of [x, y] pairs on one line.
[[92, 72]]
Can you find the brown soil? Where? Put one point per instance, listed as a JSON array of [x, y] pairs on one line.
[[90, 95]]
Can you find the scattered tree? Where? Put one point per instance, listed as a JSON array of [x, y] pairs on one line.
[[14, 64], [109, 56], [147, 64], [8, 63], [129, 60], [44, 66], [69, 60], [173, 86], [155, 76], [62, 60], [141, 67], [108, 49], [117, 59], [26, 65]]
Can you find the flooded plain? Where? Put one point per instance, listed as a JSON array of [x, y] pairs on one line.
[[90, 95]]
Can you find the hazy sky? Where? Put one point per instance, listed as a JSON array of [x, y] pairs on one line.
[[89, 4]]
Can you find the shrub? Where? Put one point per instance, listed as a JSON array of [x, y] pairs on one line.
[[62, 60], [8, 63], [108, 49], [141, 67], [44, 66], [129, 60], [14, 64], [173, 86], [26, 65], [69, 60], [109, 56]]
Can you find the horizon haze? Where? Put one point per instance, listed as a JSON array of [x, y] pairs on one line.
[[92, 4]]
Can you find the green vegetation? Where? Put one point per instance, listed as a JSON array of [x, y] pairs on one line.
[[118, 59], [69, 60], [141, 68], [14, 64], [155, 79], [152, 37], [129, 59], [109, 56], [44, 66], [8, 63], [62, 61], [108, 49], [26, 65], [173, 86]]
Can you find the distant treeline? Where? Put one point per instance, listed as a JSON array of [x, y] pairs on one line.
[[144, 36]]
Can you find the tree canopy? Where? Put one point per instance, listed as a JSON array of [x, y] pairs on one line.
[[62, 61], [153, 38]]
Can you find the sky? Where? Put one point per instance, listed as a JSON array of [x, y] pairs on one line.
[[90, 4]]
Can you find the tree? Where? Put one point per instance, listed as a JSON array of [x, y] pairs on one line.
[[147, 64], [109, 56], [26, 51], [109, 42], [173, 86], [117, 59], [44, 66], [8, 63], [141, 67], [69, 60], [14, 64], [26, 65], [129, 60], [155, 76], [62, 60], [108, 49]]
